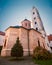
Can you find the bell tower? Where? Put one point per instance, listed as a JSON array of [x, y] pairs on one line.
[[36, 21], [37, 24]]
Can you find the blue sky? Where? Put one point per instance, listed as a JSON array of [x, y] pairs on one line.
[[12, 12]]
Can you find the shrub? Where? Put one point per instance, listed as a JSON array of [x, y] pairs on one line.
[[0, 49], [17, 49], [41, 53]]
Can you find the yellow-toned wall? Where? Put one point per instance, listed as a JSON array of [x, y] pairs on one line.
[[22, 33], [11, 35], [24, 40], [34, 36]]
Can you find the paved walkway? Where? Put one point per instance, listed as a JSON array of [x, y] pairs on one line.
[[27, 61]]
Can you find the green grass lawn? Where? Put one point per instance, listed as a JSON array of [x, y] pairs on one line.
[[43, 62]]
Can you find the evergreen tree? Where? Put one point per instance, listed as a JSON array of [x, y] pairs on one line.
[[17, 49]]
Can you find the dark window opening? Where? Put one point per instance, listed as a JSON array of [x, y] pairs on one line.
[[5, 43], [37, 29], [33, 12], [51, 48], [35, 22], [34, 17], [25, 24], [38, 43]]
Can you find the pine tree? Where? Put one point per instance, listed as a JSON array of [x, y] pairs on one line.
[[17, 49]]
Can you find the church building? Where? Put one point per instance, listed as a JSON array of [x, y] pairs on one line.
[[30, 33]]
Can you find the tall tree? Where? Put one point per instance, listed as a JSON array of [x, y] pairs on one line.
[[17, 49]]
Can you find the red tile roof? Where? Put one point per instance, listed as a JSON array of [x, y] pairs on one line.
[[50, 37], [2, 33]]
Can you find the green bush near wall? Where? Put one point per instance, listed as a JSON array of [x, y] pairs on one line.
[[41, 53]]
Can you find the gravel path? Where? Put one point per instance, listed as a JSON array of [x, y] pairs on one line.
[[27, 61]]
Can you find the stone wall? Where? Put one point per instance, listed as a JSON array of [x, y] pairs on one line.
[[11, 35], [28, 39], [24, 40], [34, 36]]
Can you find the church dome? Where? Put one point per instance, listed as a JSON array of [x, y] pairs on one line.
[[26, 20], [26, 23]]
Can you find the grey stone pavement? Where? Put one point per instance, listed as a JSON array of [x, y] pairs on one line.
[[27, 61]]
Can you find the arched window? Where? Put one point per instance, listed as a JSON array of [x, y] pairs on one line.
[[33, 12], [5, 43], [35, 22], [38, 43], [51, 48], [37, 29], [25, 24]]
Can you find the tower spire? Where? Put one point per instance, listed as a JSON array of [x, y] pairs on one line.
[[36, 21]]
